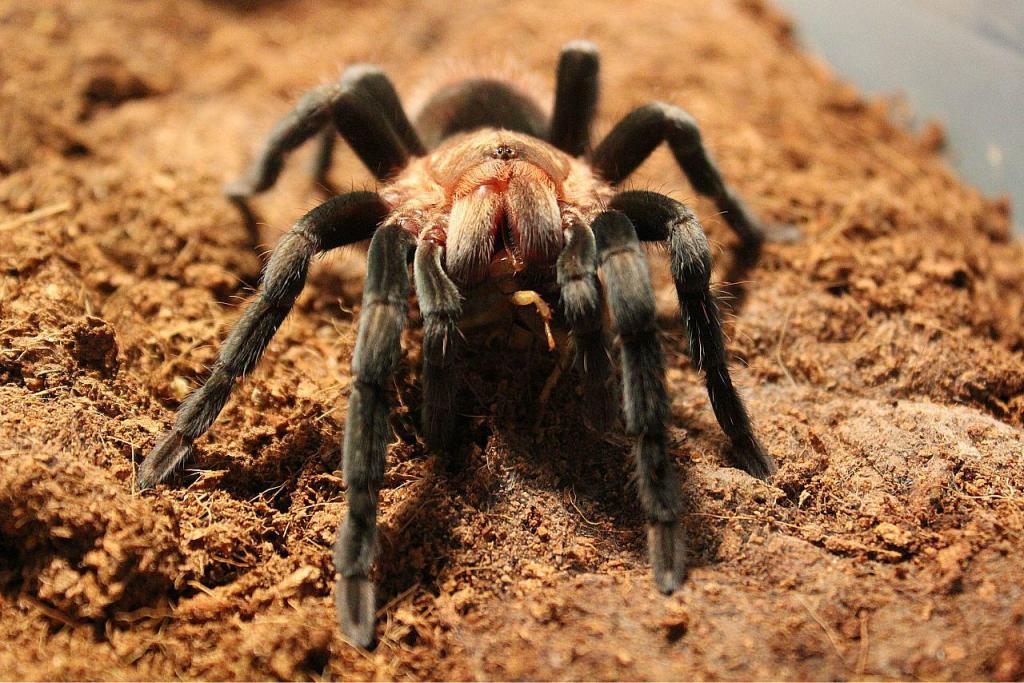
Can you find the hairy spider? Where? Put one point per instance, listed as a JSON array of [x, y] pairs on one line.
[[484, 187]]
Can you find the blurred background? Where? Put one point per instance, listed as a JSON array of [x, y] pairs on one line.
[[960, 62]]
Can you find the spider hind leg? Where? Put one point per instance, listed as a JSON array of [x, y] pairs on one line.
[[366, 111], [576, 91], [633, 139]]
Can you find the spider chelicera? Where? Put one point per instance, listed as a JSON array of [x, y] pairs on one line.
[[484, 186]]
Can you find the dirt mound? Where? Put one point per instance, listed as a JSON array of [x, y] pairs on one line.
[[882, 353]]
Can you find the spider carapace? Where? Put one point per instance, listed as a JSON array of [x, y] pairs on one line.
[[495, 197], [484, 185]]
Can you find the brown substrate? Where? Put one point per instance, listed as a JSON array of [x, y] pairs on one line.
[[882, 353]]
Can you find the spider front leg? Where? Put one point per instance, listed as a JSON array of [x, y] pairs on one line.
[[645, 402], [377, 352], [441, 307], [366, 111], [342, 220], [660, 218], [633, 139]]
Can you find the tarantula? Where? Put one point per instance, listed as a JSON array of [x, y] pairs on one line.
[[485, 187]]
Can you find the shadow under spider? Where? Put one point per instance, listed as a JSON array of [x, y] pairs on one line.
[[596, 467], [417, 541]]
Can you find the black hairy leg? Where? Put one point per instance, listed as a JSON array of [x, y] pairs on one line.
[[645, 404], [576, 91], [583, 307], [345, 219], [633, 139], [365, 110], [377, 352], [374, 85], [660, 218], [441, 306]]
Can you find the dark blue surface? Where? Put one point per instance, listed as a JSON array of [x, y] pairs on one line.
[[958, 61]]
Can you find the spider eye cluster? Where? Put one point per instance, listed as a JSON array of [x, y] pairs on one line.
[[504, 152]]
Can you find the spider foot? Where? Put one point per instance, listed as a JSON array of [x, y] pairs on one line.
[[667, 550], [782, 233], [749, 251], [751, 458], [161, 462], [238, 193], [238, 189], [355, 600]]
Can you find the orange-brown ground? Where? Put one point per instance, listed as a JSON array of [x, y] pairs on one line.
[[883, 360]]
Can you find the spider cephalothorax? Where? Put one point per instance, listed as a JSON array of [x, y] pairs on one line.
[[491, 194], [503, 192]]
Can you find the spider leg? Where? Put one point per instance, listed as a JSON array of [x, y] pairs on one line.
[[661, 218], [320, 166], [367, 113], [645, 400], [575, 97], [441, 306], [583, 306], [341, 220], [377, 352], [372, 83], [478, 103], [633, 139]]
